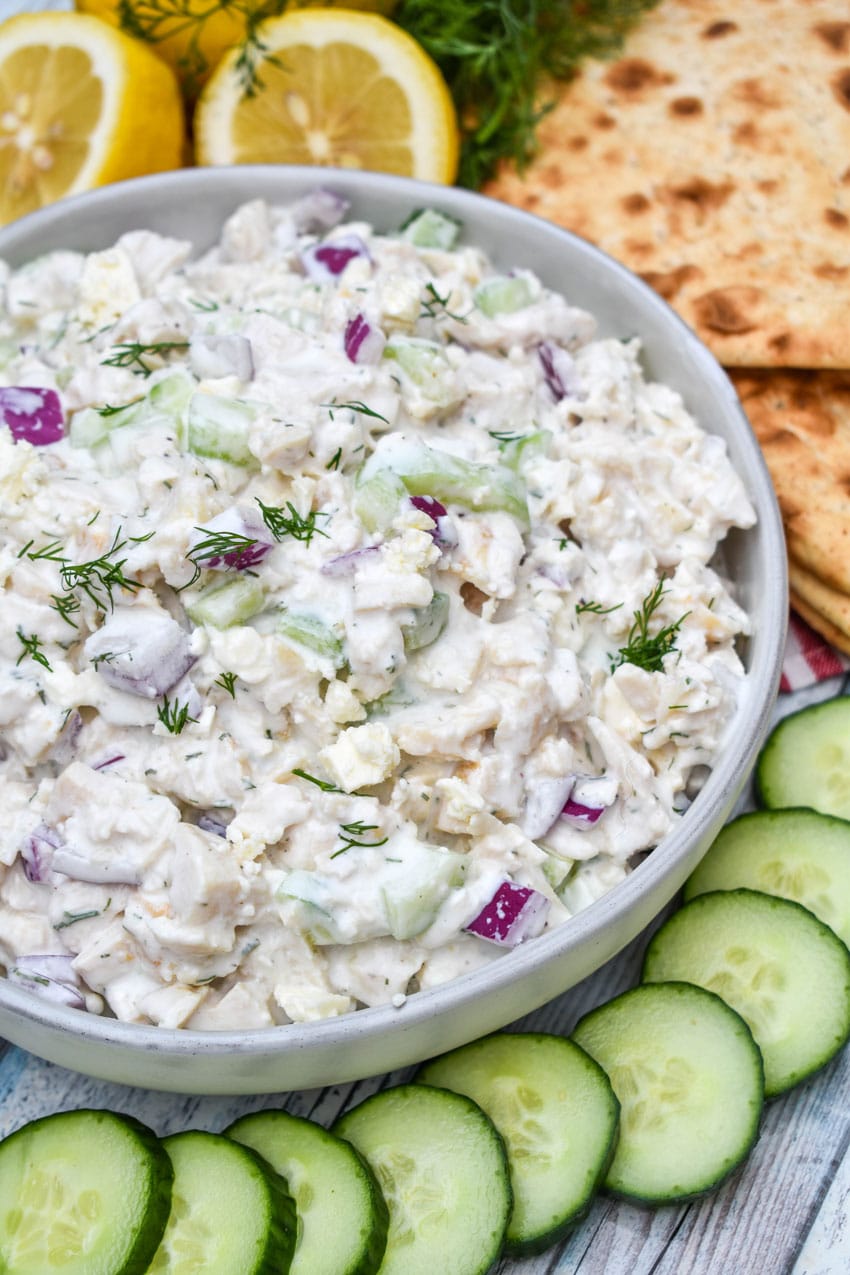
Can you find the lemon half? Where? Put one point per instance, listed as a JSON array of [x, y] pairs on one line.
[[335, 88], [80, 105]]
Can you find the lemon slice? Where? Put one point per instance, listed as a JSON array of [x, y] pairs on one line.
[[335, 88], [193, 35], [80, 105]]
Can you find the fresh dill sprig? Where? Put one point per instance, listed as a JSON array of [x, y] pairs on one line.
[[67, 604], [354, 406], [112, 409], [174, 716], [596, 608], [205, 307], [71, 918], [436, 307], [51, 552], [218, 544], [32, 648], [97, 579], [227, 682], [505, 436], [131, 354], [157, 20], [320, 783], [642, 648], [349, 834], [498, 56], [333, 463], [280, 523]]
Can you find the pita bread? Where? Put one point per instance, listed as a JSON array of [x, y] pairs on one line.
[[713, 158], [834, 636], [825, 609], [802, 421]]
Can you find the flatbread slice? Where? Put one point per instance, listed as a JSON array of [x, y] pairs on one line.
[[713, 158], [825, 609], [802, 421]]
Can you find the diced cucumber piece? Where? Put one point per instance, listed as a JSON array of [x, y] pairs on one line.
[[425, 364], [689, 1079], [316, 901], [82, 1192], [806, 760], [426, 471], [428, 228], [773, 961], [219, 428], [443, 1171], [342, 1215], [310, 631], [227, 604], [797, 854], [377, 498], [556, 1110], [427, 624], [165, 402], [503, 294], [413, 900], [232, 1214], [517, 451], [89, 428]]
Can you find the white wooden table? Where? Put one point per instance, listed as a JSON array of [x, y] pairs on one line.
[[783, 1213]]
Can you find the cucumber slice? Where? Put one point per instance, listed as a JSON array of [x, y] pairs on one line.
[[796, 854], [227, 604], [556, 1110], [773, 961], [220, 428], [427, 624], [231, 1213], [503, 294], [444, 1174], [82, 1193], [308, 630], [342, 1215], [806, 760], [428, 228], [690, 1082]]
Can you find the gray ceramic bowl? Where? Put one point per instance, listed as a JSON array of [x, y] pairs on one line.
[[193, 204]]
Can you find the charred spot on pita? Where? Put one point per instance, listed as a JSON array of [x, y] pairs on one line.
[[667, 283], [603, 120], [718, 29], [833, 217], [841, 87], [704, 195], [685, 106], [635, 203], [726, 309], [632, 75], [835, 35]]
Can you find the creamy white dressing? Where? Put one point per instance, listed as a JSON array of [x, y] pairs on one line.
[[240, 795]]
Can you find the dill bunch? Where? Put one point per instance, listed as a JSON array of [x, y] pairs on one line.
[[499, 57]]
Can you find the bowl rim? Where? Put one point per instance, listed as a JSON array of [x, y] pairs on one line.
[[752, 716]]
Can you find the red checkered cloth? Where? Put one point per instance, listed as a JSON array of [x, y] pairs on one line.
[[808, 657]]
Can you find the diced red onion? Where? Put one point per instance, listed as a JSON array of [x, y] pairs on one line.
[[515, 912], [327, 260], [37, 852], [320, 209], [50, 976], [558, 369], [239, 522], [363, 342], [224, 354], [211, 822], [65, 745], [347, 563], [139, 651], [590, 797], [445, 533], [33, 414], [79, 868], [109, 761], [545, 798], [187, 695]]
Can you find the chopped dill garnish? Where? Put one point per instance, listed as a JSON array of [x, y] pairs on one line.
[[349, 834], [227, 682], [596, 608], [499, 57], [50, 552], [333, 463], [643, 649], [32, 648], [206, 307], [354, 406], [131, 354], [97, 579], [67, 605], [505, 436], [280, 523], [71, 918], [174, 716], [436, 307], [110, 409], [320, 783], [218, 544]]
